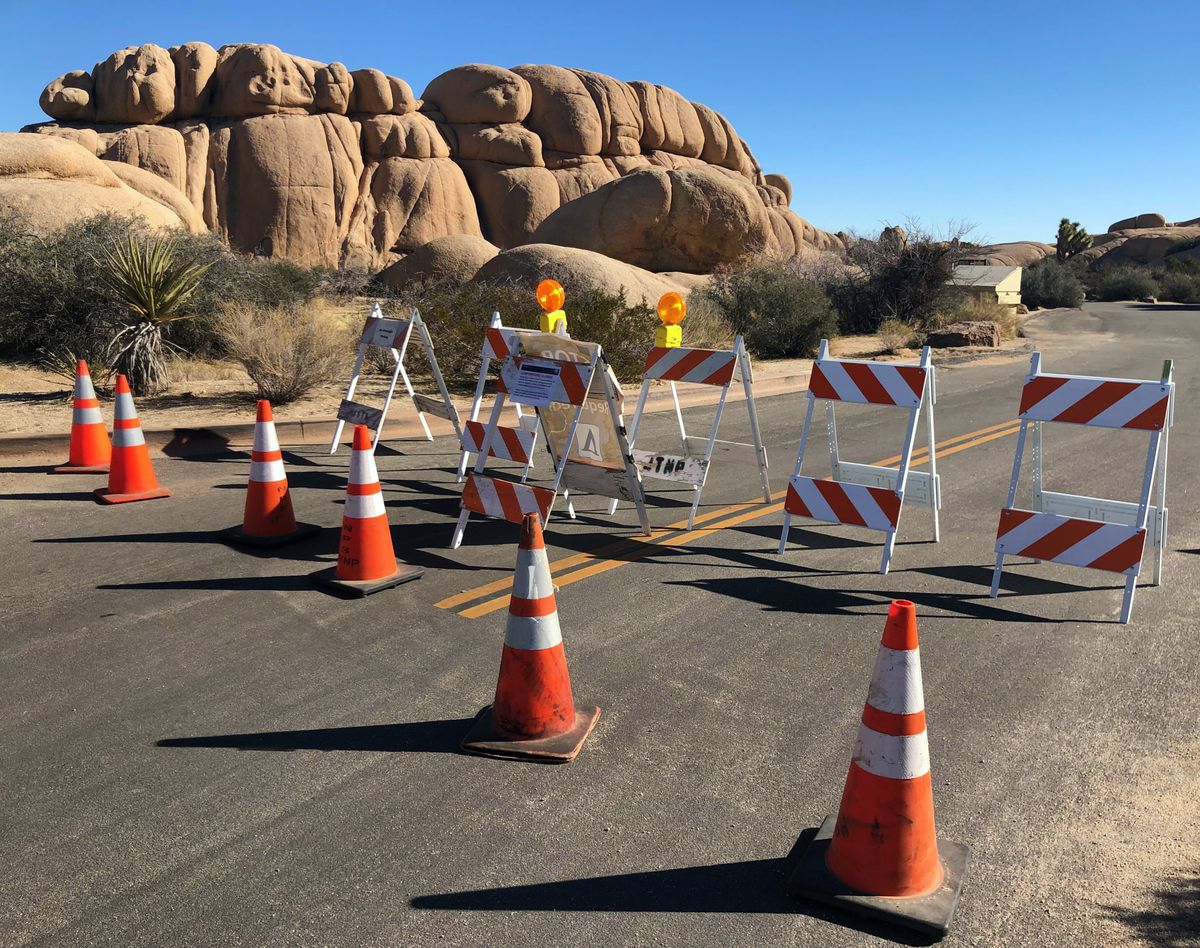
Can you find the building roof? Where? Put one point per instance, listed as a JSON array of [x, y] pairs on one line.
[[971, 275]]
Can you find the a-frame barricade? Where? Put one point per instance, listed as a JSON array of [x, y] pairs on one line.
[[866, 495], [549, 372], [1076, 530], [384, 332], [713, 367], [515, 443]]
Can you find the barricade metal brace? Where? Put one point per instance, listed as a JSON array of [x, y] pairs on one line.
[[394, 334], [867, 495], [559, 362], [703, 367], [1076, 530]]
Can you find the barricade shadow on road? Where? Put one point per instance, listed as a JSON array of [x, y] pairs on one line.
[[54, 495], [289, 583], [754, 886], [1011, 584], [1173, 920], [780, 594], [430, 737], [35, 469]]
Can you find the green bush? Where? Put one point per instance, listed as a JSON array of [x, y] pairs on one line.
[[1050, 285], [1180, 284], [1126, 283], [780, 312]]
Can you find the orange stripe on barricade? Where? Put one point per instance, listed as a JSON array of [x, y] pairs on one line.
[[1125, 555], [870, 386], [1061, 539], [1103, 396], [1038, 388], [836, 497]]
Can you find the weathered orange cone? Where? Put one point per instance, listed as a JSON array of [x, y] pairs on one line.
[[882, 857], [90, 450], [534, 716], [268, 519], [131, 475], [366, 561]]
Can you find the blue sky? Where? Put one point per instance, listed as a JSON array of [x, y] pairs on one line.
[[1007, 116]]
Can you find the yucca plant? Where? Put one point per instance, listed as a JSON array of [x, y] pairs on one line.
[[153, 286]]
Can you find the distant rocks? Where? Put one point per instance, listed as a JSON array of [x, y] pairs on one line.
[[981, 333]]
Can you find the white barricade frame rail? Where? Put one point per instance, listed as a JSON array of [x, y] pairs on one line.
[[548, 370], [702, 367], [385, 332], [1073, 529], [867, 495], [499, 342]]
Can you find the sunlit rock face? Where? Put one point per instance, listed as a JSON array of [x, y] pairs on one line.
[[305, 160]]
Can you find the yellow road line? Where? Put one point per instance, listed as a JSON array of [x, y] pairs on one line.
[[728, 517]]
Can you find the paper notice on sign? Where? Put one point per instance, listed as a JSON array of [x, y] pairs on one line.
[[535, 383]]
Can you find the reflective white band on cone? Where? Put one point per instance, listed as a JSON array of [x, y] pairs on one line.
[[886, 755], [87, 416], [896, 684], [128, 437], [364, 506], [362, 468], [124, 410], [264, 437], [267, 472]]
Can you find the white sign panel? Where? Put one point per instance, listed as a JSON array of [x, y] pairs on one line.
[[535, 382], [670, 467]]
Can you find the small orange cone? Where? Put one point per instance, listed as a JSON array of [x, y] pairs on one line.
[[90, 450], [882, 857], [534, 716], [131, 476], [366, 561], [268, 519]]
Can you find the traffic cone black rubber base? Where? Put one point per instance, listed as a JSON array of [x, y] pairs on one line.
[[84, 469], [930, 914], [236, 536], [483, 739], [103, 495], [357, 588]]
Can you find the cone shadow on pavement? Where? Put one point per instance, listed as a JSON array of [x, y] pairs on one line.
[[431, 737]]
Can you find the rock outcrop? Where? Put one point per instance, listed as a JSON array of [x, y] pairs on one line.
[[294, 158], [454, 258], [51, 182]]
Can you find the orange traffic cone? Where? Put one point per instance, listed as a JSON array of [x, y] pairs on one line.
[[534, 716], [366, 561], [131, 476], [90, 450], [268, 519], [882, 857]]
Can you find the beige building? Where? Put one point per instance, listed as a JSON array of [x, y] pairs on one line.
[[992, 284]]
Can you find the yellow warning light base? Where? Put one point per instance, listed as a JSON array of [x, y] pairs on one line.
[[668, 337], [552, 321]]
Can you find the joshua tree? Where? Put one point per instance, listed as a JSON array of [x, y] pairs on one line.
[[154, 286], [1071, 239]]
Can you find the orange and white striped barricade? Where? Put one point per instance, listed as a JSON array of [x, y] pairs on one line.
[[867, 495], [1092, 532], [499, 342], [698, 367], [385, 332], [548, 371]]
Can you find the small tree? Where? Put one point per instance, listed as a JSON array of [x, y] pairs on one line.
[[1071, 239], [153, 286]]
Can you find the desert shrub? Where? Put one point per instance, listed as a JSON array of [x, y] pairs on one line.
[[1126, 283], [965, 308], [1049, 285], [895, 335], [1180, 284], [287, 350], [457, 314], [779, 311]]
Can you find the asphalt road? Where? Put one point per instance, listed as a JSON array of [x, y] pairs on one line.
[[199, 748]]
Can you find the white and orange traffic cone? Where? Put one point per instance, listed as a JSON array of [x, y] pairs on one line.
[[268, 519], [881, 857], [534, 716], [366, 560], [90, 451], [131, 475]]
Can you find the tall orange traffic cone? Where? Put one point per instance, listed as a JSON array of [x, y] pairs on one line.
[[131, 476], [268, 519], [534, 716], [366, 561], [90, 450], [881, 857]]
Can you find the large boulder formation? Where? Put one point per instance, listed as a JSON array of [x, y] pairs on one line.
[[51, 182], [1021, 253], [454, 258], [1138, 222], [290, 157]]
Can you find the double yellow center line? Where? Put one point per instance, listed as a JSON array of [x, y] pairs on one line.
[[581, 566]]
